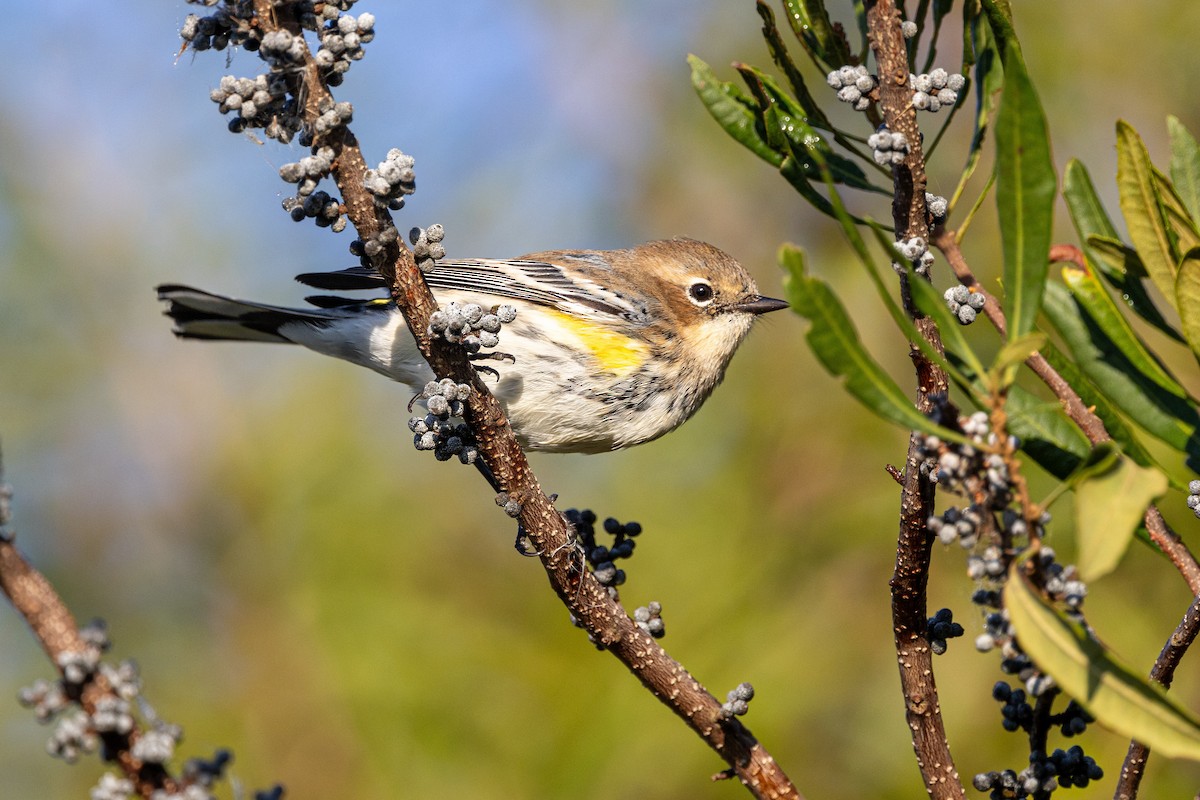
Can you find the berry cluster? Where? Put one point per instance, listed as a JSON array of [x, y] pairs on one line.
[[600, 558], [917, 251], [331, 115], [964, 303], [428, 248], [887, 148], [319, 206], [469, 325], [271, 101], [437, 430], [373, 250], [308, 171], [1062, 768], [111, 726], [941, 627], [260, 102], [966, 469], [937, 206], [228, 25], [854, 85], [1193, 498], [936, 89], [649, 619], [392, 179], [737, 701], [342, 39]]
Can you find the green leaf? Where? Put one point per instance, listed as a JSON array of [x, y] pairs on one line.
[[999, 14], [1143, 211], [779, 54], [1047, 434], [1109, 506], [1184, 229], [789, 126], [1012, 355], [1185, 165], [1092, 296], [1119, 698], [1025, 188], [1083, 204], [732, 110], [1124, 271], [989, 80], [836, 344], [1165, 416], [1187, 298], [812, 26]]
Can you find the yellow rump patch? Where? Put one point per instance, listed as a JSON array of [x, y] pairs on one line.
[[615, 352]]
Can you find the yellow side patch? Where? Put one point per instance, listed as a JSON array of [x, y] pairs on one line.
[[615, 352]]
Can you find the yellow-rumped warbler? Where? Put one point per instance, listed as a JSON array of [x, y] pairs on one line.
[[612, 348]]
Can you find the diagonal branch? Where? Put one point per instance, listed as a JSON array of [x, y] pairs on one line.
[[546, 529]]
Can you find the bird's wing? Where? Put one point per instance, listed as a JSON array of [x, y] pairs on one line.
[[533, 281]]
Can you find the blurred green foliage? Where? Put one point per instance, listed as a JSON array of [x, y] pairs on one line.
[[349, 616]]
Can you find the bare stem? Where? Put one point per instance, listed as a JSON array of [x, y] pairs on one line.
[[914, 542], [52, 624]]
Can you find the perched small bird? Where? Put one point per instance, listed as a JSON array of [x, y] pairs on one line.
[[609, 348]]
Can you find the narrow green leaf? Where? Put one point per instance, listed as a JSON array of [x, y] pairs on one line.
[[1109, 505], [1182, 226], [732, 110], [783, 60], [1118, 697], [1013, 354], [1047, 435], [1187, 297], [989, 80], [790, 123], [999, 14], [1143, 211], [1163, 415], [836, 344], [1083, 204], [812, 26], [1185, 165], [1090, 294], [1124, 271], [1025, 189]]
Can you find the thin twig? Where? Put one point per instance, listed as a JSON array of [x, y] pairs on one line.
[[547, 530], [1163, 672], [914, 541], [52, 624]]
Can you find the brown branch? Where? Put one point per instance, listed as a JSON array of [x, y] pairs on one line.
[[34, 598], [914, 541], [1163, 672], [545, 527]]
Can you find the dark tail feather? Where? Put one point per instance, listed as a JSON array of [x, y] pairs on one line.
[[203, 315], [351, 279]]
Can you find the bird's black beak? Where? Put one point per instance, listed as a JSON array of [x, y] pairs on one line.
[[757, 304]]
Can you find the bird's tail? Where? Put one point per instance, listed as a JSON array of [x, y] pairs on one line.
[[203, 315]]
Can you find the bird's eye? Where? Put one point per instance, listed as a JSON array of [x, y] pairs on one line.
[[701, 293]]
